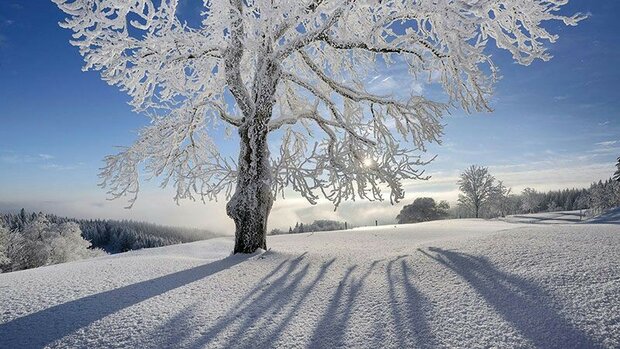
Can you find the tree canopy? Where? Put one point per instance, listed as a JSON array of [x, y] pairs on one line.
[[192, 80], [301, 70], [423, 210]]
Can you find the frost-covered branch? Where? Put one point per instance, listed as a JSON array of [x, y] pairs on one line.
[[176, 149], [301, 70]]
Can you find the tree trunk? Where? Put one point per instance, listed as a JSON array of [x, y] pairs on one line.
[[251, 203]]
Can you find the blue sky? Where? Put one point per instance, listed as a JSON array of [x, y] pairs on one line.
[[555, 124]]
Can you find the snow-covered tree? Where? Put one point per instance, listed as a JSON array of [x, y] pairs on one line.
[[499, 199], [423, 210], [41, 242], [531, 200], [604, 195], [617, 174], [476, 185], [300, 70], [4, 239]]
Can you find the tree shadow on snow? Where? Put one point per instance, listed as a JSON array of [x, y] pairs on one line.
[[49, 325], [559, 218], [178, 328], [610, 217], [257, 320], [410, 319], [269, 310], [405, 315], [331, 328], [522, 303]]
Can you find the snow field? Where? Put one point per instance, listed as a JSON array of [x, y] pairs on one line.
[[465, 283]]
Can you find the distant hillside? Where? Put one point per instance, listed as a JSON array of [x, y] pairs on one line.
[[116, 236]]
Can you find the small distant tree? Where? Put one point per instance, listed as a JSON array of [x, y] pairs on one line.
[[298, 69], [531, 200], [276, 232], [423, 210], [476, 185]]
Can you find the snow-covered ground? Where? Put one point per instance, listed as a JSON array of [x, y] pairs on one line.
[[565, 217], [462, 283], [560, 217]]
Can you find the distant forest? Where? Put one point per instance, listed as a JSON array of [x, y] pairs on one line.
[[318, 225], [114, 236]]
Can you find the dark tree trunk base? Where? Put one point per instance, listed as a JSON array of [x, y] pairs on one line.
[[251, 203]]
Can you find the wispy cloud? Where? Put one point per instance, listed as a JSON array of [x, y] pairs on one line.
[[42, 161], [11, 157], [52, 166], [607, 143]]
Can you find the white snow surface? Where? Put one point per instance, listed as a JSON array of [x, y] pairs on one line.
[[560, 217], [611, 216], [461, 283]]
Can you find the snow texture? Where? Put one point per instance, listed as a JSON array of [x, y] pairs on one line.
[[563, 217], [466, 283]]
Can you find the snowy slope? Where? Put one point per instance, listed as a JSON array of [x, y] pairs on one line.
[[465, 283]]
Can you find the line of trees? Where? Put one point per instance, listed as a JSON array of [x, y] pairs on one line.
[[113, 236], [318, 225], [482, 195]]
